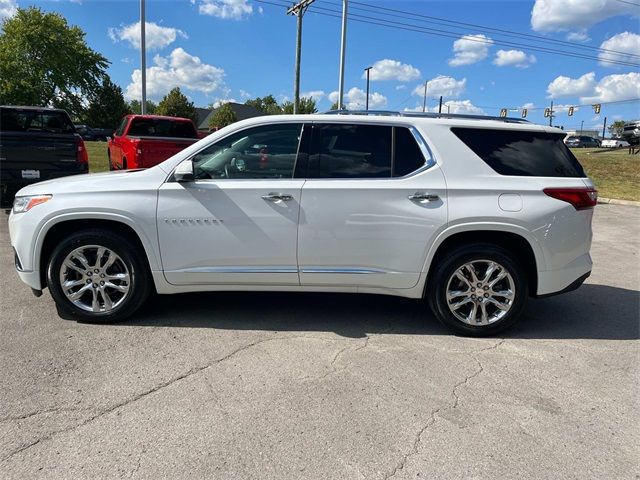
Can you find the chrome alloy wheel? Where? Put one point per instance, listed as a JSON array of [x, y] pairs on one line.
[[480, 292], [95, 279]]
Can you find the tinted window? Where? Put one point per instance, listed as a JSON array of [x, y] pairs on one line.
[[16, 120], [120, 130], [268, 151], [408, 156], [350, 151], [523, 153], [154, 127]]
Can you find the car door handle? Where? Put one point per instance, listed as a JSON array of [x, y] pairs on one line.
[[277, 197], [423, 197]]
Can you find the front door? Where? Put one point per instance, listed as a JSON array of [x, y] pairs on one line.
[[237, 222], [372, 203]]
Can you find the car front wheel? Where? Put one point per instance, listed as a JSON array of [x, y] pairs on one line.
[[97, 276], [478, 290]]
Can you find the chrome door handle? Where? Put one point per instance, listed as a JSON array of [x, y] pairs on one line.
[[277, 197], [423, 197]]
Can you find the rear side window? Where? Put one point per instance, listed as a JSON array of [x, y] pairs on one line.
[[363, 151], [152, 127], [522, 153], [16, 120]]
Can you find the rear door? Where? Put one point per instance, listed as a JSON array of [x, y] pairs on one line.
[[237, 222], [373, 201]]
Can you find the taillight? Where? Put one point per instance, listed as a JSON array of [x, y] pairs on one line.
[[82, 155], [580, 198]]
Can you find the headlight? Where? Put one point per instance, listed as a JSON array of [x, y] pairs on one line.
[[24, 204]]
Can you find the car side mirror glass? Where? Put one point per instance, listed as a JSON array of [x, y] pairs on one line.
[[184, 172]]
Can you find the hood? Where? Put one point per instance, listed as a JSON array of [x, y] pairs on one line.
[[97, 182]]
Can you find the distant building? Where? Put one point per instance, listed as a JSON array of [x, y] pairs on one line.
[[242, 112]]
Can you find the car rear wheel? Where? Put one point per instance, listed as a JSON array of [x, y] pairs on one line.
[[97, 276], [478, 290]]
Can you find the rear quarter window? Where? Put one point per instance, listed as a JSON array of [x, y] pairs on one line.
[[522, 153]]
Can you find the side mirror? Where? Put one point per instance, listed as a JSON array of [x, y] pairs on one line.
[[184, 172]]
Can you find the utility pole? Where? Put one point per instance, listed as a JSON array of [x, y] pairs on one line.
[[604, 127], [343, 46], [581, 125], [440, 106], [298, 10], [424, 102], [143, 59], [551, 114], [368, 69]]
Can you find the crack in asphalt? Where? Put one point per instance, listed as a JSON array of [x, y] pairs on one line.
[[434, 413], [135, 398], [24, 416]]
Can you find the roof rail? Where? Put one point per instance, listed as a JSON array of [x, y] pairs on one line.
[[426, 115]]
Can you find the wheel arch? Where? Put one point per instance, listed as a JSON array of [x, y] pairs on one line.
[[57, 228], [512, 238]]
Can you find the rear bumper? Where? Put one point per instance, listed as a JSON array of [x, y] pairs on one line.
[[555, 282]]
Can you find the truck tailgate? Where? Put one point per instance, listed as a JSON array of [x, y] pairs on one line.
[[154, 150]]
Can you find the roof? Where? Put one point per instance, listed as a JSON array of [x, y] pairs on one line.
[[241, 111], [159, 117], [30, 107]]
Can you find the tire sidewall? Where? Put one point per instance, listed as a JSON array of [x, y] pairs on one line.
[[139, 285], [453, 261]]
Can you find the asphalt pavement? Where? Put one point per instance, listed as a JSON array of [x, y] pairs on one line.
[[327, 386]]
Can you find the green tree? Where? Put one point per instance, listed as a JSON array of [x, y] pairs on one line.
[[222, 116], [334, 106], [307, 105], [268, 105], [616, 128], [135, 106], [106, 106], [176, 104], [44, 61]]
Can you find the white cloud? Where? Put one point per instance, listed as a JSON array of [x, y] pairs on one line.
[[470, 49], [569, 87], [615, 87], [401, 87], [178, 69], [157, 36], [528, 105], [317, 95], [454, 106], [8, 8], [392, 70], [517, 58], [355, 99], [626, 43], [557, 15], [579, 36], [226, 9], [221, 101], [244, 94], [442, 85]]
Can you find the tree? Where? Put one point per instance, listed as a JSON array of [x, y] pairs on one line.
[[222, 116], [307, 105], [616, 128], [334, 106], [44, 61], [106, 106], [176, 104], [135, 106], [268, 105]]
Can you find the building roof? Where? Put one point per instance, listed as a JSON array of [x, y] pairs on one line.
[[242, 113]]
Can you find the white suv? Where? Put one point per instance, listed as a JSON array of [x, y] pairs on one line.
[[471, 214]]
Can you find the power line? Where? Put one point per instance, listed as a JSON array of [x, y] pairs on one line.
[[454, 23], [629, 3], [444, 33]]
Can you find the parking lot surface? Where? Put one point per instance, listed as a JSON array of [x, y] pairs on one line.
[[327, 386]]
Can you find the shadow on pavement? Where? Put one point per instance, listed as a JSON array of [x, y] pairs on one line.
[[592, 312]]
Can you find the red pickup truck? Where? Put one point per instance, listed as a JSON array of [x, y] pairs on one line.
[[142, 141]]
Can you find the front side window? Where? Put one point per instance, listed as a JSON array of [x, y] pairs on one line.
[[121, 127], [268, 151]]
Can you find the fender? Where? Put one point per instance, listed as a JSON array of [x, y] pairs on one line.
[[492, 226], [150, 245]]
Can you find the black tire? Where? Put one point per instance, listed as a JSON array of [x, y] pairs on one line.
[[139, 277], [109, 159], [124, 164], [436, 293]]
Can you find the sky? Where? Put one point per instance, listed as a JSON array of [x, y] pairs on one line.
[[217, 50]]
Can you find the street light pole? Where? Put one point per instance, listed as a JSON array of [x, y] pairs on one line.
[[143, 59], [343, 46], [581, 125], [424, 102], [368, 69]]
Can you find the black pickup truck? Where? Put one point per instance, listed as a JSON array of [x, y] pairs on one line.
[[37, 144]]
